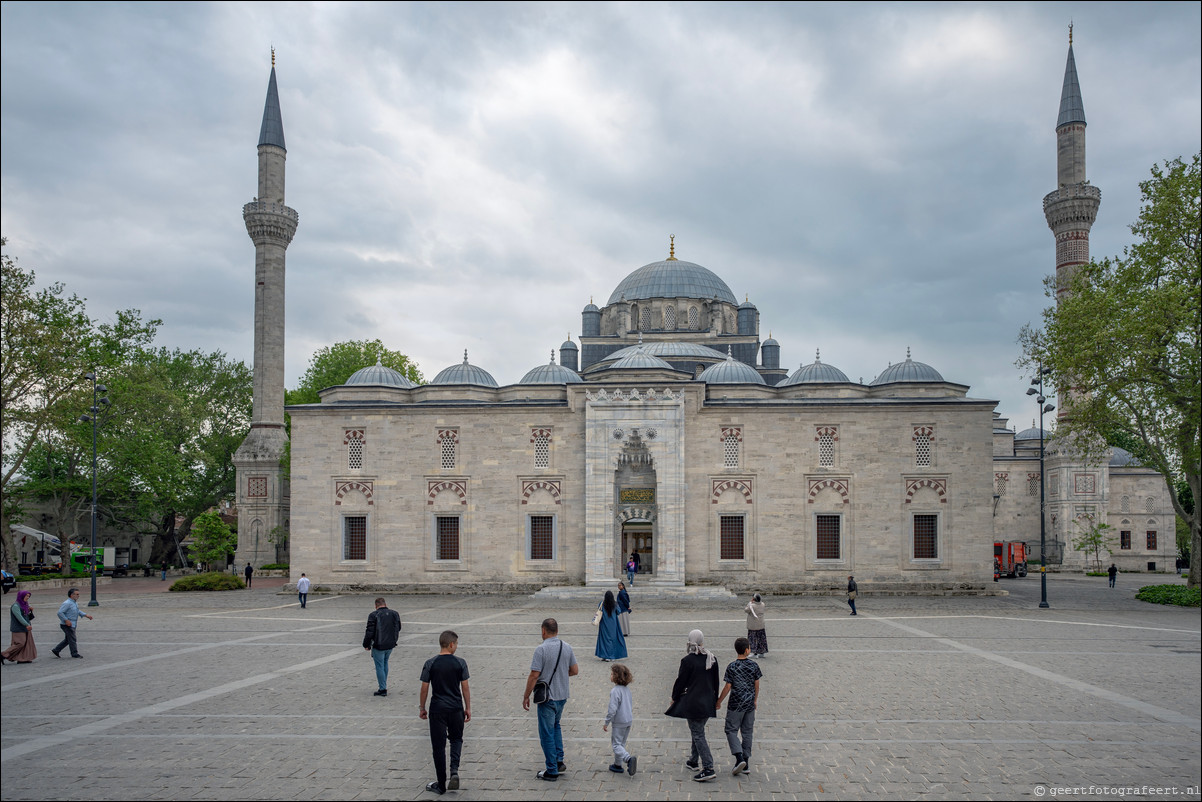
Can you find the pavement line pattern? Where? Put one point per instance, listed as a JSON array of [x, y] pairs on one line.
[[94, 728], [1155, 711]]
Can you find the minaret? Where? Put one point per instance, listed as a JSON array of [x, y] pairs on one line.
[[1073, 207], [263, 495]]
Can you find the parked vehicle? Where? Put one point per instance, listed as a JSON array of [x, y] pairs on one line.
[[1009, 558], [81, 560], [9, 581], [39, 552]]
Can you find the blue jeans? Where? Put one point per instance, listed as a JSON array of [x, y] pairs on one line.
[[550, 736], [304, 598], [380, 658], [630, 575]]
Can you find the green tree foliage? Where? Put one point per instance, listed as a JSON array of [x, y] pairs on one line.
[[1092, 538], [47, 343], [212, 540], [1125, 343], [334, 364]]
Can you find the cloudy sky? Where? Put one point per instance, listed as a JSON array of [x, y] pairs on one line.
[[469, 176]]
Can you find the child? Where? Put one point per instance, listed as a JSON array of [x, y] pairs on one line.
[[743, 684], [621, 713]]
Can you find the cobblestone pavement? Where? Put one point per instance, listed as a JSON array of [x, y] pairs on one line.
[[244, 695]]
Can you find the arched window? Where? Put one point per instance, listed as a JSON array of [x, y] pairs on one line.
[[645, 319], [670, 318], [694, 318]]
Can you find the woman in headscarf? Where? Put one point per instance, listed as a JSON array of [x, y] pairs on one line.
[[20, 625], [695, 697], [757, 636], [624, 609], [611, 645]]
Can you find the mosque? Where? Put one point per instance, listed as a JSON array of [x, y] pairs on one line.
[[672, 432]]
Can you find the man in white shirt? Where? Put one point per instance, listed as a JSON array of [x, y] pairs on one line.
[[302, 590]]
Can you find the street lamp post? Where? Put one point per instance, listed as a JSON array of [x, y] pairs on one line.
[[91, 417], [1037, 391]]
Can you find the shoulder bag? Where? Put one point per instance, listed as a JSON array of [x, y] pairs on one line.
[[542, 688]]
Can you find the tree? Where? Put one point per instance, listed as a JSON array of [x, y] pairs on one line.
[[47, 343], [333, 365], [1124, 343], [212, 540], [1092, 538]]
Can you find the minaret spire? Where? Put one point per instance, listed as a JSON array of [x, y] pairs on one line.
[[262, 494]]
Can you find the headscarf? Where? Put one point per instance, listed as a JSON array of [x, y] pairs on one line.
[[23, 602], [697, 646]]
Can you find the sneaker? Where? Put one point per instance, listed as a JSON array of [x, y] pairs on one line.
[[77, 656], [705, 775], [56, 654], [543, 775], [561, 767], [381, 692], [692, 765], [435, 788], [632, 765], [740, 766], [453, 781], [615, 768]]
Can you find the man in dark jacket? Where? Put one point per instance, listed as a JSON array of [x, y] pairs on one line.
[[383, 632], [852, 592]]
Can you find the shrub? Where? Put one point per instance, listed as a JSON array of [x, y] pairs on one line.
[[1179, 595], [1096, 573], [56, 575], [214, 580], [274, 567]]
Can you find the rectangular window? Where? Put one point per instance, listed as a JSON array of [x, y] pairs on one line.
[[1124, 540], [1032, 484], [827, 530], [1151, 540], [354, 537], [1001, 481], [354, 455], [926, 537], [730, 545], [541, 541], [542, 449], [446, 537], [730, 451]]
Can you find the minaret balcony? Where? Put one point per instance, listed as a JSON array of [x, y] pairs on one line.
[[1073, 192], [270, 222]]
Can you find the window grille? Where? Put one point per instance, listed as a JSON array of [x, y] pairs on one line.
[[1124, 540], [1002, 480], [542, 537], [448, 442], [446, 537], [256, 486], [645, 319], [1150, 504], [1125, 504], [670, 318], [730, 451], [354, 455], [926, 537], [731, 537], [694, 318], [826, 448], [1054, 484], [1151, 540], [924, 436], [827, 528], [542, 450], [1032, 484], [354, 537]]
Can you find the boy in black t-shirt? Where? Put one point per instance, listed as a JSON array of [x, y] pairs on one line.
[[743, 684], [450, 708]]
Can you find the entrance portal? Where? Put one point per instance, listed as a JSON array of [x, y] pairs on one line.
[[637, 539]]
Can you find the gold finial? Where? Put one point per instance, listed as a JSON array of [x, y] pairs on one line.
[[1070, 33], [273, 57], [672, 248]]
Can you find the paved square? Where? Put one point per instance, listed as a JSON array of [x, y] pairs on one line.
[[246, 696]]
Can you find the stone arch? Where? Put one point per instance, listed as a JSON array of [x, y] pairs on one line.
[[635, 514], [839, 486], [341, 489], [937, 486], [740, 486], [532, 486], [454, 486]]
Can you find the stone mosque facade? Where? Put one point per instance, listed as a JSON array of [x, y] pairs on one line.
[[670, 431]]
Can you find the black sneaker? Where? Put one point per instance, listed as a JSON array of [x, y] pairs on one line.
[[632, 765], [692, 765], [381, 693], [453, 781], [615, 768], [561, 767], [56, 654], [435, 788], [705, 775], [740, 766], [543, 775]]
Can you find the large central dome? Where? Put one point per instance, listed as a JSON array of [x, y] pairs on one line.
[[672, 278]]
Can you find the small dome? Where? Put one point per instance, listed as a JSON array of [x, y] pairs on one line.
[[551, 374], [568, 345], [592, 307], [669, 350], [731, 372], [379, 375], [1030, 434], [465, 373], [1123, 458], [770, 343], [908, 371], [638, 360], [816, 373], [672, 278], [747, 304]]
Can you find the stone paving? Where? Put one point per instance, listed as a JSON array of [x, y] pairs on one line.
[[243, 695]]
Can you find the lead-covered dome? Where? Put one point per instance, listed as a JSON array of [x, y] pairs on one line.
[[551, 374], [665, 349], [672, 278], [908, 371], [816, 372], [381, 376], [638, 360], [465, 373], [731, 372], [1031, 434]]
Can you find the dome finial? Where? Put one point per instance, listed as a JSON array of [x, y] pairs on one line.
[[379, 364], [1070, 33], [465, 356], [552, 356], [817, 355], [1070, 40], [640, 338], [730, 357], [907, 353], [671, 248]]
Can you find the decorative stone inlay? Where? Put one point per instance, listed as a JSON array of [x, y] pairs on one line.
[[938, 485], [635, 514], [456, 486], [619, 434], [652, 434], [722, 485], [256, 487], [632, 395], [529, 486], [1084, 483], [840, 486], [537, 433], [827, 431], [448, 434], [354, 434], [732, 431], [924, 432], [342, 488]]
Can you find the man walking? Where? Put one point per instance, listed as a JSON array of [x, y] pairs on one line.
[[68, 622], [450, 708], [164, 577], [302, 590], [383, 632], [553, 663], [1113, 571], [248, 572], [852, 592]]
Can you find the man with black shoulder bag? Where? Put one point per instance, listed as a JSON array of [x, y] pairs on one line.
[[552, 665]]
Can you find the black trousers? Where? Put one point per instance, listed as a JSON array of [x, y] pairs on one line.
[[68, 640], [446, 723]]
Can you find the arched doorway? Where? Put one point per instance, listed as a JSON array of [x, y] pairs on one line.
[[637, 526]]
